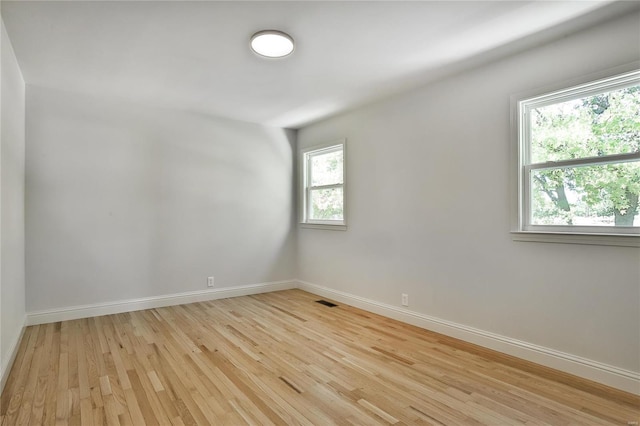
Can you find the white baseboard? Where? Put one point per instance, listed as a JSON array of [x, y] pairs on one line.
[[8, 363], [615, 377], [93, 310]]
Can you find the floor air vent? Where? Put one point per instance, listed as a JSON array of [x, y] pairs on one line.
[[325, 303]]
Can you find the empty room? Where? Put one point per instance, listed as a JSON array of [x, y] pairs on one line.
[[320, 212]]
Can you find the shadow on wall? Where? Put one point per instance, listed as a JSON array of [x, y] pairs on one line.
[[127, 201]]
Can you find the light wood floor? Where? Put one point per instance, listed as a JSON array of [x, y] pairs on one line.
[[280, 358]]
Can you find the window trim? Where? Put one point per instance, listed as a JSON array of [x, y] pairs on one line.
[[305, 222], [622, 76]]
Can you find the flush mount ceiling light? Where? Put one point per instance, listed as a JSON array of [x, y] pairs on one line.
[[272, 43]]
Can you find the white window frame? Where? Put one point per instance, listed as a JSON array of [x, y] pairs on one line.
[[305, 189], [521, 105]]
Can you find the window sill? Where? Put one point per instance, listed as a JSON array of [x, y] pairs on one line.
[[630, 240], [323, 226]]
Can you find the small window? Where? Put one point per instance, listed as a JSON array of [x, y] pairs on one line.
[[579, 159], [323, 198]]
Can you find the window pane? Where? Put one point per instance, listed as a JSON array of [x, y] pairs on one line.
[[597, 195], [326, 204], [326, 169], [603, 124]]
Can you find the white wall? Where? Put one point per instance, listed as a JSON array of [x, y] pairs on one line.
[[127, 201], [12, 156], [429, 211]]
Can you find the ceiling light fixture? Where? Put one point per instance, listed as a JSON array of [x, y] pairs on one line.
[[272, 43]]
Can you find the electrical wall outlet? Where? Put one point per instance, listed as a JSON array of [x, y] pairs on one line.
[[405, 299], [210, 282]]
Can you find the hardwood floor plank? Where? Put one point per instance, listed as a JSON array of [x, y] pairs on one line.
[[280, 358]]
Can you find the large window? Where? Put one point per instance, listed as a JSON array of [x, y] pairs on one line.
[[579, 158], [324, 186]]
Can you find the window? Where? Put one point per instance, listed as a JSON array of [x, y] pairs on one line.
[[323, 172], [579, 159]]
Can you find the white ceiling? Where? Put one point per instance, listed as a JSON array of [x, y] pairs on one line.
[[195, 55]]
